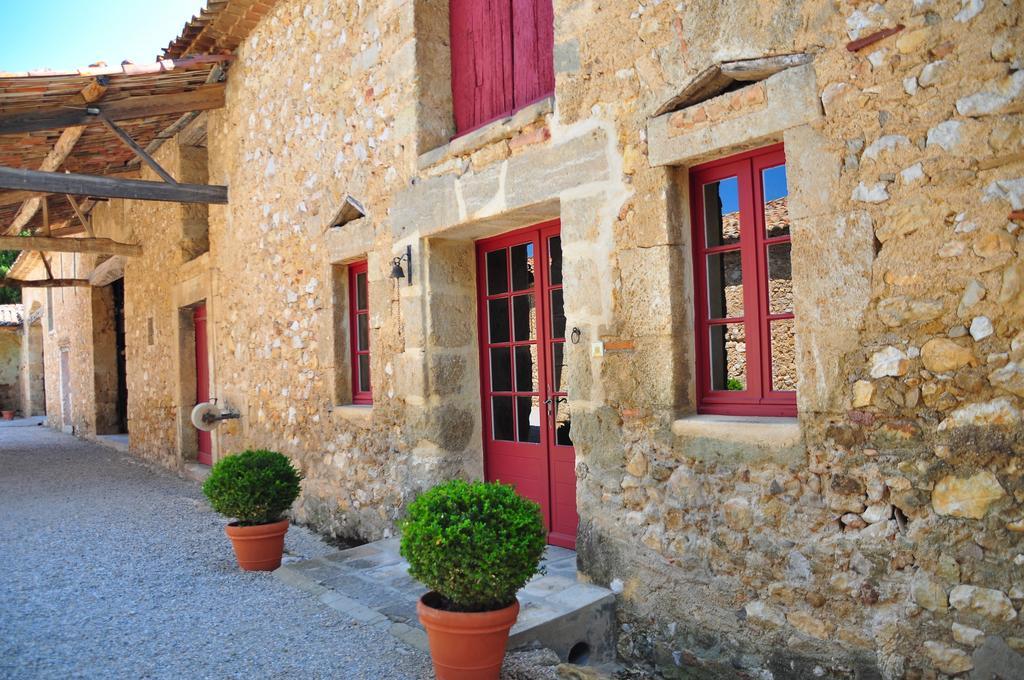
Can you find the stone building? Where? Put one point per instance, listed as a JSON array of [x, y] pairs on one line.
[[10, 356], [734, 289]]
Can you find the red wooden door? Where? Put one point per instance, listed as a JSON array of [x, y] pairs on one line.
[[522, 337], [205, 450]]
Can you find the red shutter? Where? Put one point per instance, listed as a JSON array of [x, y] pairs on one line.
[[481, 35], [533, 44]]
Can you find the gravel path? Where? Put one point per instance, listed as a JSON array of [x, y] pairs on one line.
[[112, 569]]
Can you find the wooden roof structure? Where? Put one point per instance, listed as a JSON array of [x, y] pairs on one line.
[[84, 133]]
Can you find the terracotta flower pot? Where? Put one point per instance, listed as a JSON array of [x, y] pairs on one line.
[[466, 645], [259, 547], [7, 415]]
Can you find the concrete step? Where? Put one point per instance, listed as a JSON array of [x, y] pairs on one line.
[[371, 583]]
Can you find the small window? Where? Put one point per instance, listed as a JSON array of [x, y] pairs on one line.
[[359, 325], [49, 309], [744, 286], [502, 58]]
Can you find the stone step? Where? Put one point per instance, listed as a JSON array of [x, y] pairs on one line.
[[371, 583]]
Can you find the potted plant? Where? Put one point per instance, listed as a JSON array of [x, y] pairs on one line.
[[474, 545], [256, 488]]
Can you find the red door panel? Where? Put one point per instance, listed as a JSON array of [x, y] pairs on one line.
[[533, 47], [205, 451], [481, 47], [522, 334]]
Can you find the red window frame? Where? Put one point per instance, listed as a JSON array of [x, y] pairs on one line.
[[759, 398], [502, 57], [355, 312]]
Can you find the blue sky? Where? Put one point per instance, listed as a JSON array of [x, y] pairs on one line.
[[68, 34]]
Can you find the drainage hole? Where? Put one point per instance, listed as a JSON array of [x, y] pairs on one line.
[[579, 653]]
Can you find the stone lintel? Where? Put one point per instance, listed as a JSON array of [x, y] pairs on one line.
[[503, 128], [791, 100], [740, 438]]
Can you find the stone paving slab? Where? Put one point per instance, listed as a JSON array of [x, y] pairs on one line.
[[371, 583]]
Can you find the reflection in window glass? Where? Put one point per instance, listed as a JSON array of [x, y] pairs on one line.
[[725, 285], [557, 314], [728, 358], [783, 355], [558, 361], [363, 332], [502, 422], [497, 272], [780, 278], [555, 260], [501, 369], [775, 193], [527, 379], [364, 372], [497, 313], [722, 212], [528, 419], [563, 422], [361, 291], [522, 266], [525, 317]]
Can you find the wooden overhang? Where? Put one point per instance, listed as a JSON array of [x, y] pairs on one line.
[[70, 139]]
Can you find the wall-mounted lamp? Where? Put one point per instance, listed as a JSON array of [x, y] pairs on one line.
[[396, 266]]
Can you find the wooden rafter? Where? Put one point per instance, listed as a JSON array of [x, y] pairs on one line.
[[45, 283], [69, 245], [203, 98], [90, 94], [90, 185], [138, 150], [83, 220]]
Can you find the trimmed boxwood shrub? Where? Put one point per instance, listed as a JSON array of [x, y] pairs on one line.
[[475, 544], [254, 487]]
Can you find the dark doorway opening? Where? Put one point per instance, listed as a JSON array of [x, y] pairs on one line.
[[117, 288]]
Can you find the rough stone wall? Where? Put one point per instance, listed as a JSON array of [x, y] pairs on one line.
[[10, 360], [878, 544]]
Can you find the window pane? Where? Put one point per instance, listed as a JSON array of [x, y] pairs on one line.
[[725, 285], [558, 359], [783, 355], [522, 266], [364, 372], [563, 421], [728, 351], [497, 272], [497, 313], [501, 369], [501, 419], [363, 334], [775, 193], [722, 212], [557, 315], [780, 278], [361, 291], [555, 260], [525, 317], [527, 378], [528, 418]]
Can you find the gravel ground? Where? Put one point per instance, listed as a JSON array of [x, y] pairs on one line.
[[112, 569]]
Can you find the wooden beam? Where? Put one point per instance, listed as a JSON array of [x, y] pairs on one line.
[[12, 197], [107, 271], [105, 187], [69, 245], [138, 150], [44, 283], [203, 98]]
